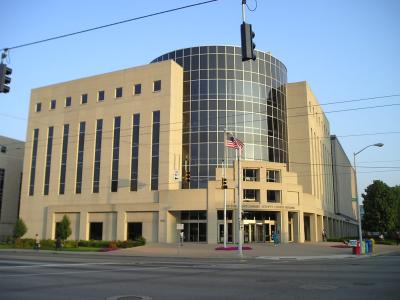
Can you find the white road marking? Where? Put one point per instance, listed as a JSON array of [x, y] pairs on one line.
[[80, 272], [56, 265]]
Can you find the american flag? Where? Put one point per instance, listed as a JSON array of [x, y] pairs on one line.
[[234, 143]]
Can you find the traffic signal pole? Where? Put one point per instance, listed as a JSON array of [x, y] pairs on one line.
[[224, 172], [243, 10]]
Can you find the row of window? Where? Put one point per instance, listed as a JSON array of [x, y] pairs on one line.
[[97, 156], [253, 195], [254, 175], [101, 96]]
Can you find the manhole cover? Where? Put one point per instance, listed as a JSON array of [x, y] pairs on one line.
[[321, 287], [129, 297]]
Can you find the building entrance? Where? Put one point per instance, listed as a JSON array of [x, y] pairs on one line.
[[258, 232], [258, 226]]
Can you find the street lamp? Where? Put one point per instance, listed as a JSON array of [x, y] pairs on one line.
[[355, 179]]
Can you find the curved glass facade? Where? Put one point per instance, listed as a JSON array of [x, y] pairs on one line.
[[221, 92]]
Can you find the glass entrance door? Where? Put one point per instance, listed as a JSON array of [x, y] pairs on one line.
[[259, 233], [221, 233]]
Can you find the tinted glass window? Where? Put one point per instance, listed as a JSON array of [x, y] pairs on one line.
[[84, 99], [101, 96], [53, 104], [138, 89], [38, 107], [118, 92], [157, 86], [68, 101]]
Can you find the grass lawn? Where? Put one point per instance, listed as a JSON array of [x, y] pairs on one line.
[[79, 249]]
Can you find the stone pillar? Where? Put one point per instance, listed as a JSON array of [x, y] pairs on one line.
[[212, 227], [284, 226], [300, 225], [121, 225], [84, 225], [313, 228]]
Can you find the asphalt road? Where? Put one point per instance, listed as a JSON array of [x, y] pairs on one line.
[[87, 276]]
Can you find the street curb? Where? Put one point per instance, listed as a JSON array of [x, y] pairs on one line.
[[334, 256]]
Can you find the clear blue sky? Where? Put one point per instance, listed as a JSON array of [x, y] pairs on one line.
[[345, 49]]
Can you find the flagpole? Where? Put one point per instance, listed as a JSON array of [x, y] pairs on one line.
[[239, 205], [224, 172]]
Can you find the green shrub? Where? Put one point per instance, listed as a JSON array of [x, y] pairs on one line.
[[70, 244], [19, 229], [141, 241], [63, 228], [47, 244], [92, 243], [24, 243]]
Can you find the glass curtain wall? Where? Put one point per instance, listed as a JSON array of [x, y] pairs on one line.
[[221, 92]]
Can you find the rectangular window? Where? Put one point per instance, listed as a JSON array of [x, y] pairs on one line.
[[84, 98], [274, 196], [68, 101], [79, 162], [250, 174], [135, 152], [96, 231], [48, 161], [2, 177], [157, 86], [53, 104], [250, 195], [155, 150], [97, 156], [101, 96], [118, 92], [3, 149], [134, 231], [64, 152], [273, 176], [137, 89], [115, 155], [38, 107], [33, 161]]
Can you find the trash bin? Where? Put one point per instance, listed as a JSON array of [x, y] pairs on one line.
[[357, 248], [372, 245], [363, 247], [366, 247], [369, 243]]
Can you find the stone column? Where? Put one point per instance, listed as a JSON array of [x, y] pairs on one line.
[[121, 225], [313, 228], [83, 225], [300, 225], [284, 226]]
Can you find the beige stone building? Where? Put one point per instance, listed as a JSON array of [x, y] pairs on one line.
[[11, 161], [113, 152]]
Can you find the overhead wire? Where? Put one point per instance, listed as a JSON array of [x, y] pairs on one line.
[[264, 118], [108, 25]]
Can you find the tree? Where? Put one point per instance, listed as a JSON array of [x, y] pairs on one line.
[[63, 228], [396, 191], [380, 208], [19, 229]]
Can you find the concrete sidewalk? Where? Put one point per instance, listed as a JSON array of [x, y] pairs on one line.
[[259, 251]]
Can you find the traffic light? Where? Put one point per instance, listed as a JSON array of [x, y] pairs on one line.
[[248, 46], [224, 185], [4, 79], [187, 176]]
